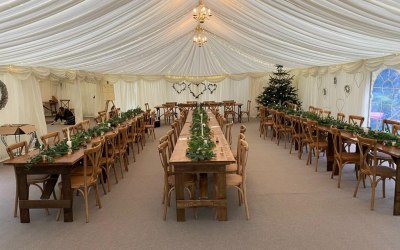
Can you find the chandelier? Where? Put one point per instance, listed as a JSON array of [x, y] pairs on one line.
[[199, 37], [201, 12]]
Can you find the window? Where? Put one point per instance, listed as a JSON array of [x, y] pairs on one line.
[[385, 98]]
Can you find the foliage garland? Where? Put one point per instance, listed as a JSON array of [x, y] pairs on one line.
[[381, 136], [79, 139], [200, 147]]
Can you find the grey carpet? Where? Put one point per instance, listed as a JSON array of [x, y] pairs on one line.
[[291, 207]]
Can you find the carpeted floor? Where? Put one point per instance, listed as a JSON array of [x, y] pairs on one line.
[[291, 207]]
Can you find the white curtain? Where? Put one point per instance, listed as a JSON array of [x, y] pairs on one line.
[[24, 106]]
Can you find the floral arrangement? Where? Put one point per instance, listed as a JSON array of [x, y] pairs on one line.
[[200, 145]]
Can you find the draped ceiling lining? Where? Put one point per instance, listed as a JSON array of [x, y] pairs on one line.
[[154, 38]]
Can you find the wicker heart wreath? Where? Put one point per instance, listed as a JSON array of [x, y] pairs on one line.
[[179, 87], [201, 85], [212, 87], [4, 95]]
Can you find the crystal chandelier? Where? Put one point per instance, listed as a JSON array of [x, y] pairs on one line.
[[201, 12], [199, 37]]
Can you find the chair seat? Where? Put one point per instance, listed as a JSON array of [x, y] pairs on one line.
[[79, 170], [383, 156], [233, 179], [186, 178], [385, 171], [231, 168], [350, 157], [77, 181]]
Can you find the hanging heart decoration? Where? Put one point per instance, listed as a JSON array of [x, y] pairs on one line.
[[324, 91], [340, 104], [179, 87], [201, 87], [358, 78], [335, 81], [212, 87]]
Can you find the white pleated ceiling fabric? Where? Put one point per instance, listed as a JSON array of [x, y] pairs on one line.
[[154, 37]]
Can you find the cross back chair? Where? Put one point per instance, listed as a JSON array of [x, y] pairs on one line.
[[247, 111], [85, 124], [238, 180], [172, 139], [108, 160], [169, 112], [387, 126], [297, 135], [132, 138], [317, 143], [265, 121], [396, 129], [89, 178], [78, 128], [356, 119], [21, 148], [229, 109], [282, 127], [71, 131], [169, 178], [341, 116], [228, 133], [121, 147], [50, 139], [341, 157], [151, 126], [370, 168]]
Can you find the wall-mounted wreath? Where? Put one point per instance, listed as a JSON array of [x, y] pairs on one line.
[[347, 89], [179, 87], [201, 85], [4, 95]]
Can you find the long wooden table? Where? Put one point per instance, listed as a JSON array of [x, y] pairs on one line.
[[61, 166], [216, 166], [390, 150]]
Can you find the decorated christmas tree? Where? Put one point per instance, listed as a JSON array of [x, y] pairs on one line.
[[280, 89]]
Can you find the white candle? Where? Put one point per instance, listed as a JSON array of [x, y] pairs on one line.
[[68, 136], [201, 129], [69, 144]]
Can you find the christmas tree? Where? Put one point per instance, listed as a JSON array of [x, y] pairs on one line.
[[280, 89]]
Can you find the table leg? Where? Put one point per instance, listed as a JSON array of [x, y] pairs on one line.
[[396, 206], [23, 194], [67, 195], [240, 113], [203, 186], [330, 154], [180, 195], [220, 181], [158, 113]]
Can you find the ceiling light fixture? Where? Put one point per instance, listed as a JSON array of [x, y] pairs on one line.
[[199, 37], [201, 12]]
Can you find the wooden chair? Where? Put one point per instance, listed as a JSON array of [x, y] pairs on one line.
[[132, 138], [121, 147], [356, 119], [140, 131], [340, 116], [265, 121], [169, 178], [233, 168], [229, 109], [238, 180], [108, 159], [50, 139], [396, 129], [282, 127], [21, 148], [305, 142], [341, 157], [242, 131], [172, 139], [103, 115], [325, 113], [71, 131], [98, 119], [89, 179], [169, 112], [370, 168], [297, 135], [387, 126], [317, 143], [147, 107], [247, 111], [175, 127], [78, 128], [150, 128], [85, 124], [228, 133]]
